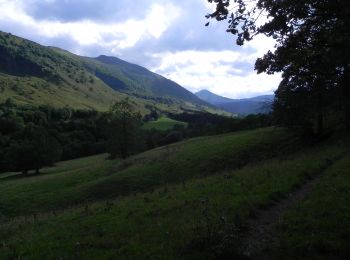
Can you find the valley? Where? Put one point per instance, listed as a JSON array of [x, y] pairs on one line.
[[101, 158]]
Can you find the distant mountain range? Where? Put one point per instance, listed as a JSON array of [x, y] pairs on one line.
[[255, 105], [34, 74]]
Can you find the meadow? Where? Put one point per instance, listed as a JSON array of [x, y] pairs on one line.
[[191, 200], [163, 124]]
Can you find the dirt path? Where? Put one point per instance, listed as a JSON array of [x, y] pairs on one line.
[[260, 234]]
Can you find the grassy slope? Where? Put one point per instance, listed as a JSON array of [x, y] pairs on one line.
[[325, 214], [97, 178], [163, 123], [171, 221], [39, 75], [37, 91]]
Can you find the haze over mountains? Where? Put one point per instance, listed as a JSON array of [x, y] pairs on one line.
[[34, 74], [245, 106]]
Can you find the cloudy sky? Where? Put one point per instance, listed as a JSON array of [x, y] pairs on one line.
[[165, 36]]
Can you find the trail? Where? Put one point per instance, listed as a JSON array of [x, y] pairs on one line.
[[261, 235]]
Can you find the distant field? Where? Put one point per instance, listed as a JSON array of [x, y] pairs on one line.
[[163, 124], [177, 201]]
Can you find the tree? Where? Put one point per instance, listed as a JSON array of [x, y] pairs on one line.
[[123, 122], [312, 49], [33, 150]]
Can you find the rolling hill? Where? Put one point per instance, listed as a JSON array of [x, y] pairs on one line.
[[189, 200], [254, 105], [34, 74]]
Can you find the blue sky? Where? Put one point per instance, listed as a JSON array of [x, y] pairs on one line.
[[165, 36]]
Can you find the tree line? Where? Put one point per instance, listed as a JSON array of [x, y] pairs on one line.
[[35, 137]]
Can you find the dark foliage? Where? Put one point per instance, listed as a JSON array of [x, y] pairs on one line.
[[123, 121], [33, 137], [312, 52]]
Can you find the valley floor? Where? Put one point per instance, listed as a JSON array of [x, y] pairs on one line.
[[257, 194]]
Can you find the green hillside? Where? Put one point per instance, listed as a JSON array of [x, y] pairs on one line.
[[188, 200], [38, 75], [96, 177]]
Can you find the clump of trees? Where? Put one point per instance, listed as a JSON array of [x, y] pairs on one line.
[[32, 149], [312, 52], [34, 137]]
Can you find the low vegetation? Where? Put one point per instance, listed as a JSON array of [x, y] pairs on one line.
[[325, 214], [170, 202], [97, 178]]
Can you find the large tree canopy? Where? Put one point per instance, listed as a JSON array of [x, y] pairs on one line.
[[312, 51]]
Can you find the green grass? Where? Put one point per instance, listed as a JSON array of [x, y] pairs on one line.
[[163, 124], [177, 201], [325, 215], [168, 222], [95, 178], [54, 187]]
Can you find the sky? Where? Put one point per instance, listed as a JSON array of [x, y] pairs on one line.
[[165, 36]]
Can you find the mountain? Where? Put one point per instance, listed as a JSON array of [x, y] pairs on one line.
[[212, 98], [254, 105], [34, 74]]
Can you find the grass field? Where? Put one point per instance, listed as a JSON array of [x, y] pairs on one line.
[[185, 200], [95, 177], [163, 124]]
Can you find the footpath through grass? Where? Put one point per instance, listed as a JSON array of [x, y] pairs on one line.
[[196, 218], [319, 226]]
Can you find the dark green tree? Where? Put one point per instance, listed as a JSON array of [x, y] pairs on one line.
[[33, 150], [123, 123], [312, 50]]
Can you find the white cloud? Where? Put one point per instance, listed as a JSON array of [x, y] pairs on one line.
[[87, 32], [216, 71]]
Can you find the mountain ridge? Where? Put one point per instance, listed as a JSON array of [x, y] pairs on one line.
[[45, 75]]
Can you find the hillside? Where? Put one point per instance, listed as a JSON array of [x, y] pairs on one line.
[[35, 74], [254, 105], [190, 200]]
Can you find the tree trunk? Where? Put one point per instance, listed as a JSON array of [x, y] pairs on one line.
[[25, 172], [346, 95], [37, 171], [124, 148], [320, 121]]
